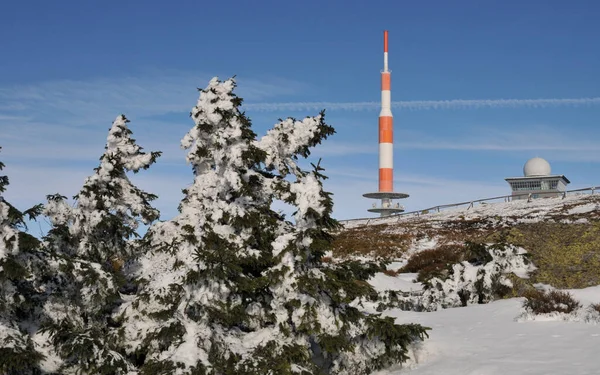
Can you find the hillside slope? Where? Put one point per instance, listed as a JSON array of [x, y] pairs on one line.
[[562, 240], [562, 236]]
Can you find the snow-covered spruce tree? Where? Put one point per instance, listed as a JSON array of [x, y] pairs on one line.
[[17, 296], [109, 207], [229, 286], [90, 245]]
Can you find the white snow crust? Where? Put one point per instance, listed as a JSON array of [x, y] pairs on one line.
[[517, 211], [9, 240], [487, 340]]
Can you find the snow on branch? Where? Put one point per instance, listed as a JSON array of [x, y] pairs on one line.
[[291, 138]]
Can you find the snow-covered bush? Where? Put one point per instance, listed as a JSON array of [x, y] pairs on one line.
[[396, 299], [549, 304], [479, 280], [229, 286], [545, 302], [88, 249], [592, 313], [456, 275], [17, 352]]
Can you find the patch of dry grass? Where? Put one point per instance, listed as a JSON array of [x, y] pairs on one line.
[[390, 241], [378, 241], [567, 255]]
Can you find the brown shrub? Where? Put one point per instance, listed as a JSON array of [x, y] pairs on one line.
[[434, 262], [595, 306], [547, 302], [439, 270]]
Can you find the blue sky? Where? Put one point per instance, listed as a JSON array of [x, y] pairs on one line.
[[68, 68]]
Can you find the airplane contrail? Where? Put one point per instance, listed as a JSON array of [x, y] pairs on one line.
[[425, 105]]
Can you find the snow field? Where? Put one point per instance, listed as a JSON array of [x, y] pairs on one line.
[[499, 337]]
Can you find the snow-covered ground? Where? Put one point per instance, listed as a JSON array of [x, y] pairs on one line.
[[518, 210], [494, 338], [490, 339], [404, 281]]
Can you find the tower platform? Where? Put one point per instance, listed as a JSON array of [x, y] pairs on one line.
[[387, 207], [385, 195]]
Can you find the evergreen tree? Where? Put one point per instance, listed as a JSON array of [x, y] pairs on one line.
[[229, 286], [109, 207], [17, 352], [90, 245]]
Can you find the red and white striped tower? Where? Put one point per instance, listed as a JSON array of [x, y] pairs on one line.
[[386, 145], [386, 126]]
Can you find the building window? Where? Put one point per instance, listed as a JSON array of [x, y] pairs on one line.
[[534, 185]]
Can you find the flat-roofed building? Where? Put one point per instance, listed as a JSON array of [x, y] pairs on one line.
[[537, 181]]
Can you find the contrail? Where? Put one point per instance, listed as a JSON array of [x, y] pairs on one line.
[[425, 105]]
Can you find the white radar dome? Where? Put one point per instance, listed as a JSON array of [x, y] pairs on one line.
[[536, 167]]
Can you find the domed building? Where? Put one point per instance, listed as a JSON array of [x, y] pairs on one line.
[[537, 181]]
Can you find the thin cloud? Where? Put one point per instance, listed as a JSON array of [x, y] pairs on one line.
[[503, 139], [571, 146], [564, 147], [575, 146], [365, 174], [99, 100], [332, 148], [426, 105], [68, 119]]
